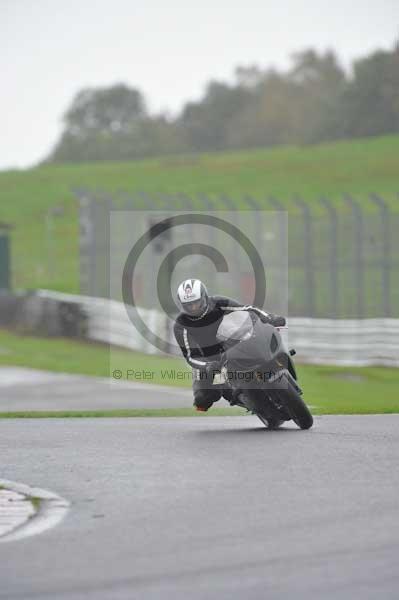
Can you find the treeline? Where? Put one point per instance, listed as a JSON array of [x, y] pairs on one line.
[[314, 101]]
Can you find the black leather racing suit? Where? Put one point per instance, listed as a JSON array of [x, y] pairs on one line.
[[197, 340]]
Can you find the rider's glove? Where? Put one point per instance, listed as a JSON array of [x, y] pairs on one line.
[[274, 320], [277, 321]]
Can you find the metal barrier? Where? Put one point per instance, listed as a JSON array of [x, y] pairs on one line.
[[345, 342], [342, 262]]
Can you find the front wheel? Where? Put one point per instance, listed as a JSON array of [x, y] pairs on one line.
[[294, 404], [271, 423]]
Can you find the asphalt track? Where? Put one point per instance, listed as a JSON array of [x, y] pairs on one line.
[[24, 389], [207, 508]]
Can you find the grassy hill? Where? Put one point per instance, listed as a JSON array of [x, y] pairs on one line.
[[45, 249]]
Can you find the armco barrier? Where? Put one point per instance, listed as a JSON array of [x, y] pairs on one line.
[[34, 314], [346, 342], [107, 321]]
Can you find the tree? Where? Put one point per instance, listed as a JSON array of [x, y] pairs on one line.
[[370, 105], [314, 101], [98, 122], [205, 124], [269, 118], [107, 110], [320, 82], [249, 77]]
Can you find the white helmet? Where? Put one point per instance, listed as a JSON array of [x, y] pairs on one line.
[[192, 297]]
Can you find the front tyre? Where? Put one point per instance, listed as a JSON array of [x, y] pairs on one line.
[[294, 404], [271, 423]]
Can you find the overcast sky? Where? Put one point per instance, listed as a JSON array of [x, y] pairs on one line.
[[49, 49]]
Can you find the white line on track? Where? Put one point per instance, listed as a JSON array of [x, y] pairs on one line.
[[21, 519]]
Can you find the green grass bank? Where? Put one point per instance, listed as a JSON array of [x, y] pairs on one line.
[[330, 390], [45, 248]]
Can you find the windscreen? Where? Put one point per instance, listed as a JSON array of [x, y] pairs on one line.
[[235, 326]]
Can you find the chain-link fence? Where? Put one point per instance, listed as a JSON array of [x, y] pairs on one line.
[[342, 263]]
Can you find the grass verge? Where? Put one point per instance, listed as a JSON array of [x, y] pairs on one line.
[[330, 390]]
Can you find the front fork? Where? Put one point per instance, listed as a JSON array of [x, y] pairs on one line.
[[266, 398]]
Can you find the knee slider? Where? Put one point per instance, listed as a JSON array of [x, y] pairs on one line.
[[203, 400]]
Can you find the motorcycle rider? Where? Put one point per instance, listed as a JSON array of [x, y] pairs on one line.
[[195, 331]]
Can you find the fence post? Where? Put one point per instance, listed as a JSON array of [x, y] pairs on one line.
[[206, 203], [358, 253], [186, 203], [86, 236], [284, 250], [332, 213], [149, 204], [231, 206], [164, 202], [106, 247], [254, 205], [248, 279], [386, 253], [227, 201], [278, 206], [5, 277], [308, 266]]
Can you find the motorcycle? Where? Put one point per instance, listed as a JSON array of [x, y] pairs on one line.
[[260, 371]]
